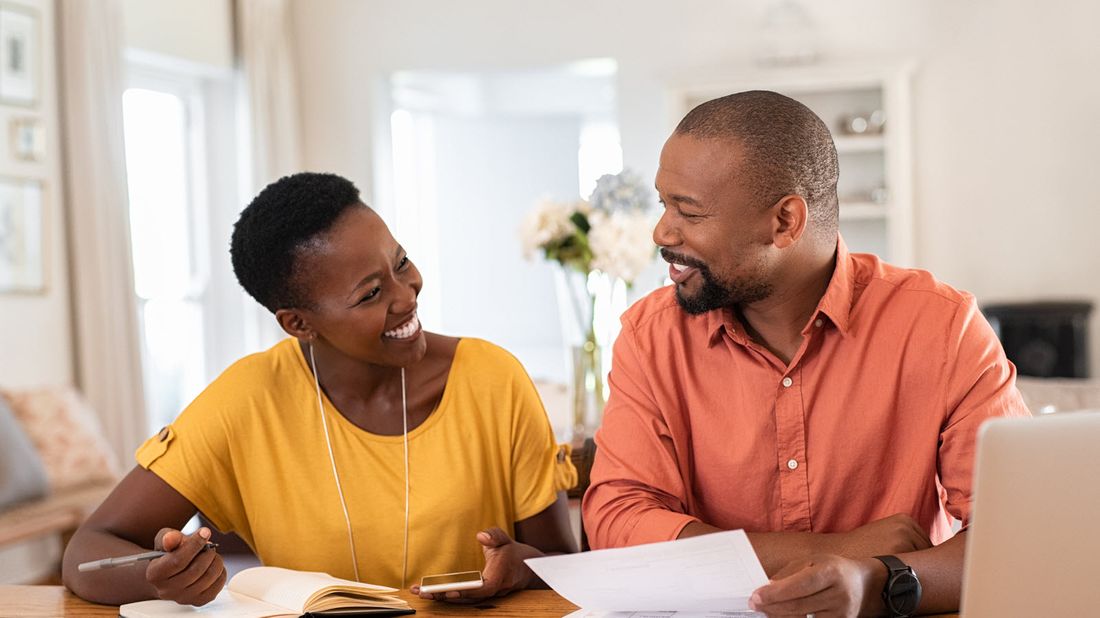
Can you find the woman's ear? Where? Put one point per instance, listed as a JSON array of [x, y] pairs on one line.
[[791, 216], [295, 324]]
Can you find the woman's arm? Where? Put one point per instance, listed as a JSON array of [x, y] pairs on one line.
[[141, 512], [549, 531]]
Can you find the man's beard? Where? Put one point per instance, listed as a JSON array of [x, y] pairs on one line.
[[715, 294]]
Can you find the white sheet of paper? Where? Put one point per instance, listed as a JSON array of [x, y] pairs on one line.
[[710, 573]]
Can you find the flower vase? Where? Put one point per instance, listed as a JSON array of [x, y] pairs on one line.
[[589, 394]]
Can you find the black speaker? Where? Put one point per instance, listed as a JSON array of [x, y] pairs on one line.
[[1044, 339]]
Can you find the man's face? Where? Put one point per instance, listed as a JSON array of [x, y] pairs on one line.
[[715, 233]]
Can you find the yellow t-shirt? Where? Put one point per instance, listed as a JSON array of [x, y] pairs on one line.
[[250, 454]]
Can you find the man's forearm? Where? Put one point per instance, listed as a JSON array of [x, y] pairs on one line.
[[940, 571], [774, 549]]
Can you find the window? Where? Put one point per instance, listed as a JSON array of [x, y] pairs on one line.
[[183, 197]]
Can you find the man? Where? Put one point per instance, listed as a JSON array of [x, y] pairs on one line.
[[825, 402]]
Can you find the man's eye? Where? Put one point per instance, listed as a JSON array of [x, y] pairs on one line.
[[403, 263]]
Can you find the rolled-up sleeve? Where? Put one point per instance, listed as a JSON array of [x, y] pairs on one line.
[[638, 493], [981, 384]]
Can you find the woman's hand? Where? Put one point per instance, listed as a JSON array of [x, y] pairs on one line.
[[504, 569], [188, 574]]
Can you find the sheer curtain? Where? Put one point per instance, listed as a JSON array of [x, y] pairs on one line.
[[265, 46], [108, 352]]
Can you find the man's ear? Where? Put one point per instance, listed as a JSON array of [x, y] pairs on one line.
[[295, 324], [791, 214]]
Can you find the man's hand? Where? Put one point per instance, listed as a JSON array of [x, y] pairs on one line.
[[504, 569], [188, 574], [826, 585], [896, 534]]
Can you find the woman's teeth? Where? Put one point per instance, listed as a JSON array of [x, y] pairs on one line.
[[406, 330]]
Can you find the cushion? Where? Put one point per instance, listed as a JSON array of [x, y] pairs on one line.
[[22, 475], [66, 433]]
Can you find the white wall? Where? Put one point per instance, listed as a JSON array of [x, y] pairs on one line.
[[1007, 136], [1004, 98], [36, 327]]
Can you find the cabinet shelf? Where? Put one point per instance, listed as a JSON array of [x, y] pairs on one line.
[[859, 143], [863, 211]]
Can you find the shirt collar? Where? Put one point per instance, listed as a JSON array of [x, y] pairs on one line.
[[836, 303]]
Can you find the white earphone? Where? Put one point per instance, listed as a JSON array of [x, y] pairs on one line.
[[336, 474]]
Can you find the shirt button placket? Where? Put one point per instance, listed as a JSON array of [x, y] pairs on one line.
[[790, 420]]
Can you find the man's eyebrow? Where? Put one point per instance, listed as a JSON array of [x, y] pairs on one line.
[[676, 197]]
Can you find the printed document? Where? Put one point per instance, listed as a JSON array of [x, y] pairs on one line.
[[713, 573]]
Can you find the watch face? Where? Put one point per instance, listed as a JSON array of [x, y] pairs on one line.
[[903, 594]]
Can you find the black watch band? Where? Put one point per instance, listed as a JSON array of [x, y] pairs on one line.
[[902, 591]]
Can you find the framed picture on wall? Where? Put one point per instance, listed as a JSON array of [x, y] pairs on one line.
[[19, 55], [21, 235]]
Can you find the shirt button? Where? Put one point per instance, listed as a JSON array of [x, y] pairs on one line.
[[817, 322], [787, 382], [792, 464]]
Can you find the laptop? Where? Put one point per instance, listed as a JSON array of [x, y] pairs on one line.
[[1033, 547]]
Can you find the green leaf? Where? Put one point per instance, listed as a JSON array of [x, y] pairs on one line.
[[581, 222]]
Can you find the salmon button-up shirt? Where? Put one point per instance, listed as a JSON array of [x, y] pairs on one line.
[[876, 414]]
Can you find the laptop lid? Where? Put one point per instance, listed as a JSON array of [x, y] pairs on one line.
[[1033, 546]]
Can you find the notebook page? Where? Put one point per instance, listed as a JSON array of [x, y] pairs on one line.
[[291, 589]]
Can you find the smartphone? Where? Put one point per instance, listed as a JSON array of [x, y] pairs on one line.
[[446, 582]]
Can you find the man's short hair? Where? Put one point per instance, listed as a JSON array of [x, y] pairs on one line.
[[277, 226], [788, 149]]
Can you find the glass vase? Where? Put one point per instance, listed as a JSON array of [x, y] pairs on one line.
[[589, 393]]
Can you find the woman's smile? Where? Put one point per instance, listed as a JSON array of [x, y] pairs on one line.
[[406, 330]]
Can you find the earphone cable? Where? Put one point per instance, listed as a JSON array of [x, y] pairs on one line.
[[336, 475]]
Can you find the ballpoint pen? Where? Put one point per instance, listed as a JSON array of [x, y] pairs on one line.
[[107, 563]]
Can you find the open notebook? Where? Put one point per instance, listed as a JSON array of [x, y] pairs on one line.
[[262, 592]]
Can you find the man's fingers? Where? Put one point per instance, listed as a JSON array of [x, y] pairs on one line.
[[809, 581]]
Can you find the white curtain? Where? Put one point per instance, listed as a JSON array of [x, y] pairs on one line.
[[265, 44], [108, 352]]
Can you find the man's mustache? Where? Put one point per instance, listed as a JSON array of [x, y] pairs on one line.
[[676, 258]]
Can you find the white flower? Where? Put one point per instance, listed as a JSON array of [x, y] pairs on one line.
[[622, 191], [621, 242], [546, 224]]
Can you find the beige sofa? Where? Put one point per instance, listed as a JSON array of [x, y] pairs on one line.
[[60, 470]]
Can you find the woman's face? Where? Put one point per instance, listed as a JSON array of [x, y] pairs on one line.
[[362, 291]]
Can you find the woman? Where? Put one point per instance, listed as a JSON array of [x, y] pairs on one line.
[[362, 446]]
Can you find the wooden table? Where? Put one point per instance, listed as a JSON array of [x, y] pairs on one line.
[[42, 601]]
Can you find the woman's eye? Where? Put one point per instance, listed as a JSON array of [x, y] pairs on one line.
[[371, 294]]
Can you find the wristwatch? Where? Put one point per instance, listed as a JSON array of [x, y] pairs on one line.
[[902, 592]]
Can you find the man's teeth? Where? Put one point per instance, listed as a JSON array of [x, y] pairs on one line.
[[406, 330], [679, 267]]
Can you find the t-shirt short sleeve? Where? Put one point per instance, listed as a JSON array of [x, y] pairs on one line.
[[541, 467], [193, 456]]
